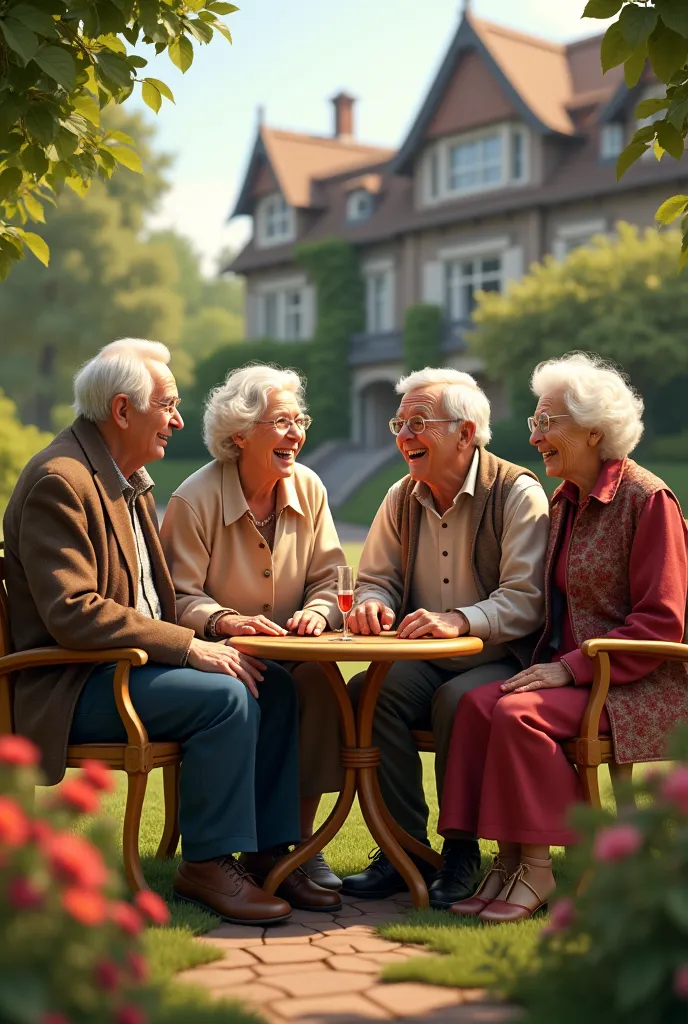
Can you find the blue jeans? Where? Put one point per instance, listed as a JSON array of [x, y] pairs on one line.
[[239, 787]]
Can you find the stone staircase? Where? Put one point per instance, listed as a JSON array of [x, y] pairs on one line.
[[343, 467]]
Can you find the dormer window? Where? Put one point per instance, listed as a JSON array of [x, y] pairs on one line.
[[612, 140], [359, 206], [476, 162], [275, 221]]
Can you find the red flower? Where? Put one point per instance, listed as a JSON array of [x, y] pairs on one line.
[[561, 917], [41, 831], [75, 861], [681, 982], [14, 825], [87, 906], [99, 775], [675, 788], [23, 894], [138, 966], [107, 975], [131, 1015], [18, 750], [616, 843], [152, 907], [126, 917], [78, 794]]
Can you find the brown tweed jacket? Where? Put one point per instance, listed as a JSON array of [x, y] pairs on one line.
[[71, 570]]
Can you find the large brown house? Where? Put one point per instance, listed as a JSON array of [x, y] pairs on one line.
[[511, 156]]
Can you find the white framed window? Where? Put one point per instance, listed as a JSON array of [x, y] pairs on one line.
[[275, 221], [379, 290], [475, 162], [359, 205], [518, 156], [434, 174], [612, 140], [270, 314], [573, 236], [282, 309], [464, 277], [293, 314]]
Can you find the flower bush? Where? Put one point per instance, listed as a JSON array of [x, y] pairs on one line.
[[615, 950], [69, 941]]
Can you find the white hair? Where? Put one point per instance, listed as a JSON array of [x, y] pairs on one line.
[[236, 406], [462, 397], [120, 368], [598, 396]]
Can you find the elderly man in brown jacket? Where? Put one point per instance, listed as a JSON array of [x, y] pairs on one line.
[[85, 570], [457, 547]]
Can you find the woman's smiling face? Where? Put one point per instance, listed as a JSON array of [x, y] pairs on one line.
[[567, 449], [268, 447]]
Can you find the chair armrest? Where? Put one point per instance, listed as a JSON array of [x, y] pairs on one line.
[[124, 658], [649, 648]]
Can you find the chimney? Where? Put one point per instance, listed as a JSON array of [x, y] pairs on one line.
[[343, 116]]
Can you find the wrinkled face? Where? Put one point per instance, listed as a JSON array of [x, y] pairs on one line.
[[567, 449], [267, 447], [428, 453], [150, 431]]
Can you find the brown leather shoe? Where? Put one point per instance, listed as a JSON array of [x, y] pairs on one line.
[[224, 887], [297, 888]]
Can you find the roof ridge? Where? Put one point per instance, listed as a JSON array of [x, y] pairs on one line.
[[308, 137], [524, 37]]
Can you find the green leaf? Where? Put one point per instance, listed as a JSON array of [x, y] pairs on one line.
[[637, 23], [10, 180], [674, 14], [40, 123], [38, 246], [126, 157], [615, 50], [646, 108], [635, 65], [58, 65], [195, 5], [601, 8], [220, 27], [668, 212], [35, 19], [646, 133], [163, 89], [676, 900], [19, 38], [657, 150], [136, 62], [629, 156], [122, 137], [78, 185], [34, 208], [677, 114], [667, 51], [87, 105], [115, 68], [670, 139], [35, 160], [220, 7], [640, 977], [202, 32], [181, 53], [151, 96]]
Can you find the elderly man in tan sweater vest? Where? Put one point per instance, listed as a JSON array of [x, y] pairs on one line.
[[457, 547]]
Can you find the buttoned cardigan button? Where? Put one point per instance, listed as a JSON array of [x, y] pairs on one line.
[[445, 553], [445, 580], [261, 545], [267, 607], [444, 526], [266, 572]]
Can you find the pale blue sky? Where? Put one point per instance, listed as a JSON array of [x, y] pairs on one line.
[[291, 58]]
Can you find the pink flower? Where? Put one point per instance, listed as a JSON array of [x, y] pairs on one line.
[[675, 787], [616, 842], [107, 975], [14, 825], [131, 1015], [78, 794], [75, 861], [152, 907], [23, 894], [18, 750], [99, 775], [126, 917], [87, 906], [138, 966], [681, 982], [561, 917]]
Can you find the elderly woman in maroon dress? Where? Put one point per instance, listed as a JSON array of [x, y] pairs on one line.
[[616, 567]]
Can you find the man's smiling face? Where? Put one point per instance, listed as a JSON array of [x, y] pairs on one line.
[[427, 453]]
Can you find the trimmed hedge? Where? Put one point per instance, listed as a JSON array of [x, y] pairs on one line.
[[422, 336]]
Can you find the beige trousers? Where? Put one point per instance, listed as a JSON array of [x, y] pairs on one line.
[[319, 733]]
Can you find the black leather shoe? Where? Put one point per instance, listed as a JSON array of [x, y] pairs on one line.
[[456, 879], [381, 879]]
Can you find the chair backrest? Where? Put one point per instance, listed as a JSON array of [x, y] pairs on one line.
[[6, 717]]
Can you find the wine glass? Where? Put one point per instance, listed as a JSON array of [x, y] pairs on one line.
[[345, 596]]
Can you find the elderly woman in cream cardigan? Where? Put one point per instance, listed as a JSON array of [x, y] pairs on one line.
[[252, 548]]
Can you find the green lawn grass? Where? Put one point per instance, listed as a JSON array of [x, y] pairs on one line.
[[169, 473]]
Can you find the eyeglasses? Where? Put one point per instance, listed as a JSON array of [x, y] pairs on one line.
[[170, 405], [416, 424], [283, 423], [542, 422]]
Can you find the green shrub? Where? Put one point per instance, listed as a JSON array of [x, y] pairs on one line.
[[17, 444], [422, 336], [510, 441], [670, 448], [617, 953]]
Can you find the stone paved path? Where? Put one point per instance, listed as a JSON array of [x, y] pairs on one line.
[[324, 969]]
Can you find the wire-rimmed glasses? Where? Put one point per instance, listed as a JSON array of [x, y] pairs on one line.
[[542, 422], [283, 423], [416, 424]]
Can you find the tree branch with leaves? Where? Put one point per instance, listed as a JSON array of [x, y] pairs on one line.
[[62, 62]]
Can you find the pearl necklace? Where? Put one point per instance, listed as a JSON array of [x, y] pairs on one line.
[[262, 522]]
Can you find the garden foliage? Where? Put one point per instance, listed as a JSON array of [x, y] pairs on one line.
[[422, 336]]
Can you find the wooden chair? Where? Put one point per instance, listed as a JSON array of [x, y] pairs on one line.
[[137, 757], [589, 750]]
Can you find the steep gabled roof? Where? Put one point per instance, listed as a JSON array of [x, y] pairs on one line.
[[297, 159], [533, 73]]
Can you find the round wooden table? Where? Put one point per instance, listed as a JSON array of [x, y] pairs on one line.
[[359, 758]]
